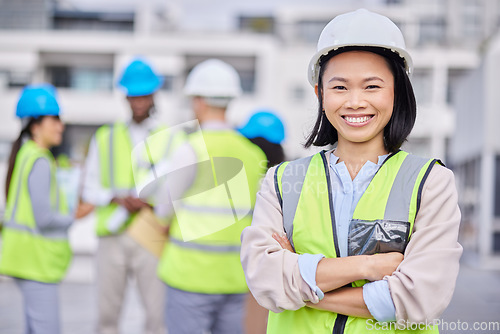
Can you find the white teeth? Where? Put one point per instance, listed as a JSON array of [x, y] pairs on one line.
[[357, 119]]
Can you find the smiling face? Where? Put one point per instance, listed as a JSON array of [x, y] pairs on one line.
[[358, 97]]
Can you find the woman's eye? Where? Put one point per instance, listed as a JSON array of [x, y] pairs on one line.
[[339, 87], [372, 87]]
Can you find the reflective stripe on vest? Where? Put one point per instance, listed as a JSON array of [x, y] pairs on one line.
[[27, 251], [206, 247], [230, 211], [393, 194]]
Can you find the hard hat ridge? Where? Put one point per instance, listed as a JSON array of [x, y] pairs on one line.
[[360, 28]]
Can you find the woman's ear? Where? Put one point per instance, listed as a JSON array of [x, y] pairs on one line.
[[34, 130], [316, 89]]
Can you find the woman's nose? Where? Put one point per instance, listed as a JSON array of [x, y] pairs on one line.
[[355, 100]]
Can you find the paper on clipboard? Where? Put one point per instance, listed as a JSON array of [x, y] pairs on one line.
[[147, 231]]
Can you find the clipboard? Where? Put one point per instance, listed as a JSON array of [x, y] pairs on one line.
[[148, 232]]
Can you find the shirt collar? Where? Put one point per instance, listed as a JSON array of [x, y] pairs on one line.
[[149, 124], [334, 159]]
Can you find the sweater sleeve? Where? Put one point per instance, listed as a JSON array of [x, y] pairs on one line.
[[39, 181], [423, 285], [92, 191], [272, 273]]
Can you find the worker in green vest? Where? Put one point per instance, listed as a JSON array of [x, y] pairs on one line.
[[35, 247], [361, 238], [110, 184], [200, 264]]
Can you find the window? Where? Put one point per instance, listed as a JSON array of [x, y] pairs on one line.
[[82, 20], [79, 71], [454, 78], [257, 24], [471, 17], [81, 78], [496, 242], [422, 85], [432, 31], [168, 83], [309, 31], [497, 187], [298, 93], [13, 78]]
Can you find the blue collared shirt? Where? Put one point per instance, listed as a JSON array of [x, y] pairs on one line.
[[345, 195]]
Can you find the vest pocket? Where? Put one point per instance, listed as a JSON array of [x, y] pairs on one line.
[[378, 236]]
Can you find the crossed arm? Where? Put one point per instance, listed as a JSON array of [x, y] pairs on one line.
[[333, 274]]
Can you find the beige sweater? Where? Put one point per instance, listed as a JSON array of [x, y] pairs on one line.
[[423, 284]]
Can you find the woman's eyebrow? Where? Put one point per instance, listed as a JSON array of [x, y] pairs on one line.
[[373, 78], [341, 79], [337, 79]]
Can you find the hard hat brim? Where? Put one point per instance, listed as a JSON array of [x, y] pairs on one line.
[[141, 89], [313, 69]]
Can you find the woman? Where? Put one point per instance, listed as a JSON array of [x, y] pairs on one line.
[[35, 248], [371, 231]]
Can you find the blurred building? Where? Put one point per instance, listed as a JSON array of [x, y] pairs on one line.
[[82, 51], [475, 154]]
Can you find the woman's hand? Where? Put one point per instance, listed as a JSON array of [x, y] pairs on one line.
[[284, 242], [380, 265]]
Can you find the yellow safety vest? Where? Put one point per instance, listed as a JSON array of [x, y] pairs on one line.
[[28, 252], [390, 203], [203, 253], [121, 169]]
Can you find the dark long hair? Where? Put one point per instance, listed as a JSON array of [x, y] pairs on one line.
[[404, 111], [16, 146]]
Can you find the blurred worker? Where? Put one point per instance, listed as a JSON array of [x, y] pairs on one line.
[[201, 265], [266, 130], [35, 247], [109, 185]]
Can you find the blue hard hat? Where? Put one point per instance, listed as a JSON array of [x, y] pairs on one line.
[[264, 124], [139, 79], [37, 100]]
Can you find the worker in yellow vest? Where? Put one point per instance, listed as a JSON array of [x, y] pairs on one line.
[[361, 238], [200, 264], [110, 184], [35, 247]]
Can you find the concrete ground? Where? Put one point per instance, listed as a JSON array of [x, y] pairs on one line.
[[476, 302]]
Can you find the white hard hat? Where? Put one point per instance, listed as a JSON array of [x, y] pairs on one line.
[[213, 78], [359, 28]]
